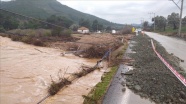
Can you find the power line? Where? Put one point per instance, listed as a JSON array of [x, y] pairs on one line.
[[31, 18]]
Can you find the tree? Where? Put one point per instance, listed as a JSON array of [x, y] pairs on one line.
[[184, 21], [10, 23], [59, 20], [100, 27], [145, 24], [95, 25], [108, 28], [74, 27], [33, 24], [56, 31], [160, 22], [173, 20], [85, 23]]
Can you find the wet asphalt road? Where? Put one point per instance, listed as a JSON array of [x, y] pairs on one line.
[[172, 45], [115, 95]]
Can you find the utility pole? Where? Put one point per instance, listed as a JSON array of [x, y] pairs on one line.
[[154, 20], [181, 10]]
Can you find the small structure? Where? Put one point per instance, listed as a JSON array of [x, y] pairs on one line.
[[83, 30], [98, 32], [113, 31]]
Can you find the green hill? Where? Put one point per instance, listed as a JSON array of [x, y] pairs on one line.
[[45, 8]]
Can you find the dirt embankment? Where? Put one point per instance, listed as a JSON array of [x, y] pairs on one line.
[[151, 78], [89, 46]]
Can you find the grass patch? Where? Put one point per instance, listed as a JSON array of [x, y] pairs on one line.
[[170, 32], [96, 95]]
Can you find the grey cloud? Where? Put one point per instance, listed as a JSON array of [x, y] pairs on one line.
[[126, 11]]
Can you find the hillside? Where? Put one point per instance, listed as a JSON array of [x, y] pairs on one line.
[[45, 8]]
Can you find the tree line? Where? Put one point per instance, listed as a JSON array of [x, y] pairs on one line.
[[9, 22], [161, 22]]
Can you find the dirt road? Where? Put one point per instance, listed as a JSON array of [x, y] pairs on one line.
[[25, 74], [172, 45]]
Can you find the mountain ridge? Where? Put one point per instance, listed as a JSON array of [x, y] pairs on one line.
[[45, 8]]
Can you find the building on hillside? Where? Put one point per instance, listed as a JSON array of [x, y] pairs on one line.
[[113, 31], [83, 30]]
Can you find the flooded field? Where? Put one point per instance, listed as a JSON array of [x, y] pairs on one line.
[[25, 72]]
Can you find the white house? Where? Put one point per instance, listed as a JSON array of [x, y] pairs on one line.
[[83, 30], [113, 31]]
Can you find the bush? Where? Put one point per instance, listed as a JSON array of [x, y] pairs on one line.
[[126, 30], [38, 42], [67, 33], [27, 39], [15, 37], [56, 31], [2, 29]]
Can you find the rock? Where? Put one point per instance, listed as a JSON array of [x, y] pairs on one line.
[[137, 88], [128, 83], [123, 83], [183, 95], [123, 89], [182, 100]]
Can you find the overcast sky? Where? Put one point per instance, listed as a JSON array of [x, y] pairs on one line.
[[125, 11]]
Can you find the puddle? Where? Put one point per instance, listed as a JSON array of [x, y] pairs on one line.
[[25, 74], [131, 98]]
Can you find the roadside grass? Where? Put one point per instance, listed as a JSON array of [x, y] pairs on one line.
[[97, 93], [170, 32]]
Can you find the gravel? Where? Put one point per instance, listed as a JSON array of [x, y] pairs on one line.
[[151, 78]]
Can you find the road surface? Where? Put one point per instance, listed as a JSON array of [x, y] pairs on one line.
[[172, 45], [115, 93]]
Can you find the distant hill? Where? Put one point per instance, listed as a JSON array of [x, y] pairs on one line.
[[45, 8]]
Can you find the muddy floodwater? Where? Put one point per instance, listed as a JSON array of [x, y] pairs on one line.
[[172, 45], [25, 74]]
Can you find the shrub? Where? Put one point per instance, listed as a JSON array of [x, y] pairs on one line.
[[15, 37], [126, 30], [27, 39], [2, 29], [56, 31], [67, 33], [38, 42]]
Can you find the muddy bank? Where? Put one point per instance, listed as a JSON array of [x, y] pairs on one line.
[[151, 78], [25, 74]]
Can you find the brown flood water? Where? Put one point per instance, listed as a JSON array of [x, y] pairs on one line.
[[25, 74]]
